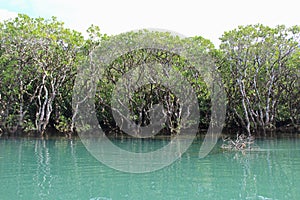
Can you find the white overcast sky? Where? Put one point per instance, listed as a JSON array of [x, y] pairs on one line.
[[209, 18]]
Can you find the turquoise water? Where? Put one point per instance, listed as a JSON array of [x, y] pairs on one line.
[[64, 169]]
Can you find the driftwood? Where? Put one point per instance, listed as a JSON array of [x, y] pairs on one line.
[[242, 142]]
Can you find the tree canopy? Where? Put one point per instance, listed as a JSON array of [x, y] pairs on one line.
[[259, 67], [39, 59]]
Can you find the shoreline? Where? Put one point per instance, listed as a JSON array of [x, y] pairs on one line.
[[277, 134]]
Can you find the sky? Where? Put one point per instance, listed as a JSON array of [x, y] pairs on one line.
[[206, 18]]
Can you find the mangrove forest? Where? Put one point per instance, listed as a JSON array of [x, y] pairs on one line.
[[39, 60]]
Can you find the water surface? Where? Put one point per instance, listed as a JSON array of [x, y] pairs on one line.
[[64, 169]]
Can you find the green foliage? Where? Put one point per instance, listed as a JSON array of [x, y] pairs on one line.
[[39, 59], [257, 67], [143, 100]]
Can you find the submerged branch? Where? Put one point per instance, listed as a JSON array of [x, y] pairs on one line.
[[242, 142]]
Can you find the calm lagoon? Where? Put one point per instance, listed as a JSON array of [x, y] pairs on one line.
[[64, 169]]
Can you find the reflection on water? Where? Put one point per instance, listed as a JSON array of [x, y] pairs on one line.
[[42, 176], [64, 169]]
